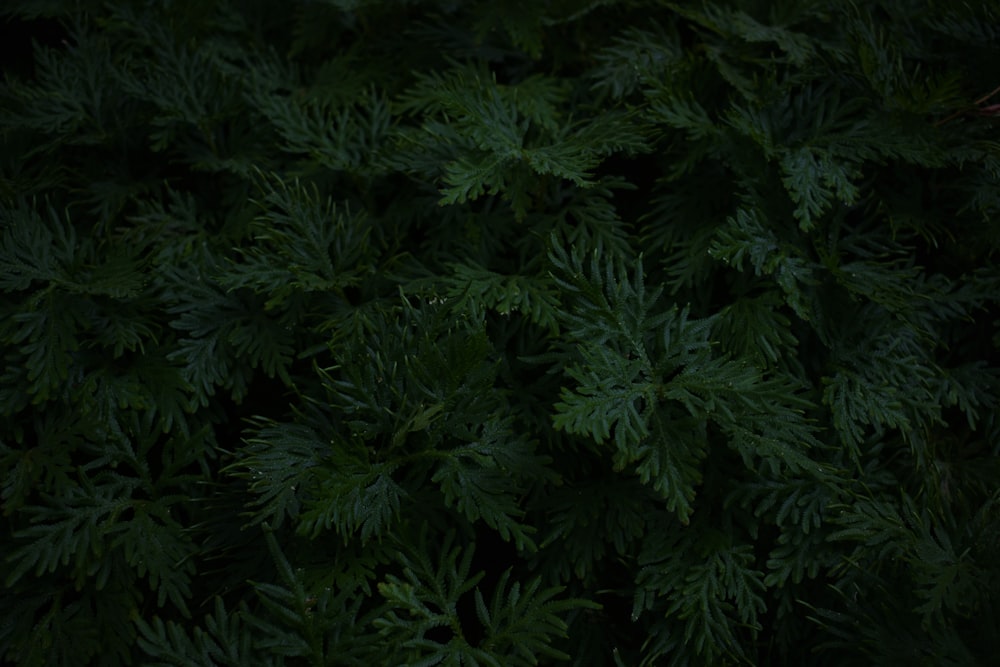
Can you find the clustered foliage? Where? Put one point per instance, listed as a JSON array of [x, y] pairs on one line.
[[426, 332]]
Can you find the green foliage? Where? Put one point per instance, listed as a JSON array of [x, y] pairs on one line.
[[712, 596], [516, 625], [361, 332]]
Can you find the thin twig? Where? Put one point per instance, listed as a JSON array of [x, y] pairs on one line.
[[963, 111]]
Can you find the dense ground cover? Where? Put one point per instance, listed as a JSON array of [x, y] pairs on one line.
[[342, 332]]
